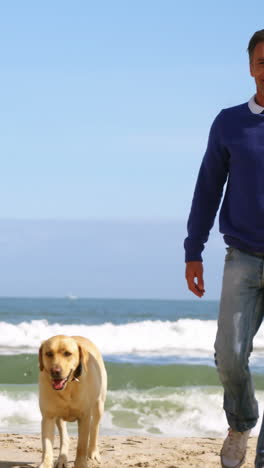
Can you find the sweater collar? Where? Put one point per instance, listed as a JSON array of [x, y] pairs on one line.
[[254, 107]]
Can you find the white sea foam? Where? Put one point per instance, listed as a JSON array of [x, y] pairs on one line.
[[146, 337], [19, 411], [165, 412], [184, 337]]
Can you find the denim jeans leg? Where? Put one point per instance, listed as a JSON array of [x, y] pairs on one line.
[[240, 315]]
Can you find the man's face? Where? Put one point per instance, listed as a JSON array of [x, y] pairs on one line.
[[257, 68]]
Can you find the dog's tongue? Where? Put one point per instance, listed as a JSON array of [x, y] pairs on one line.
[[58, 384]]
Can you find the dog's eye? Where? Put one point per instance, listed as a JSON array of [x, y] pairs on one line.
[[67, 353], [49, 353]]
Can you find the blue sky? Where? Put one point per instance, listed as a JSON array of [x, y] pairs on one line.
[[87, 258], [106, 108]]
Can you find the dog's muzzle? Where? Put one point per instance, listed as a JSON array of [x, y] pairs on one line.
[[59, 384]]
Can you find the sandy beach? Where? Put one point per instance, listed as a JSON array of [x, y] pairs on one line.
[[24, 451]]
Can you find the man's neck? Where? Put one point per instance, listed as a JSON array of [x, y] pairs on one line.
[[259, 99]]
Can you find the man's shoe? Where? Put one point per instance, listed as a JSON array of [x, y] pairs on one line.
[[234, 449]]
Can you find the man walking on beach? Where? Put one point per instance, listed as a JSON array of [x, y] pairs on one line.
[[235, 153]]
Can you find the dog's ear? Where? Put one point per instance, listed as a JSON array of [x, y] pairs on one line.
[[83, 356], [41, 366]]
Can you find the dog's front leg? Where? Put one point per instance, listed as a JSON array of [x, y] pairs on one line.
[[97, 413], [83, 435], [64, 444], [47, 433]]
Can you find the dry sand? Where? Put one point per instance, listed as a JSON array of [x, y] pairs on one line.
[[24, 451]]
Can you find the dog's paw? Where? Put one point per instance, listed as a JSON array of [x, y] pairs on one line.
[[46, 465], [62, 462], [94, 455], [80, 462]]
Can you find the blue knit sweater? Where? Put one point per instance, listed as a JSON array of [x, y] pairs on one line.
[[235, 153]]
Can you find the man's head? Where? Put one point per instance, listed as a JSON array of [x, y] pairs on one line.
[[256, 61], [257, 37]]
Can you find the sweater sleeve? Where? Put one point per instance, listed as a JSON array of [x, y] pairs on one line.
[[207, 195]]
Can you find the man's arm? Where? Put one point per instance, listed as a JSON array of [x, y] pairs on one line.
[[194, 277], [207, 196]]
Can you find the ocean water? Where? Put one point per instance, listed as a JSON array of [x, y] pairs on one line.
[[158, 355]]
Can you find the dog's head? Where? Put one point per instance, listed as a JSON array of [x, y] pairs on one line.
[[61, 357]]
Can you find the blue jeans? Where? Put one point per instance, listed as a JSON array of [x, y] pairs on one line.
[[241, 313]]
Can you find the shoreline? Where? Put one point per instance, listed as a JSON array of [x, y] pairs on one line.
[[24, 451]]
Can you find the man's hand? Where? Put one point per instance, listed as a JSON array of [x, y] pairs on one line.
[[194, 277]]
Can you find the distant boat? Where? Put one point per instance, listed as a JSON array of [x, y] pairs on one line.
[[71, 297]]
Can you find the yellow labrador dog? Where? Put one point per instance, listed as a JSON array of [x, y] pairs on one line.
[[72, 386]]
